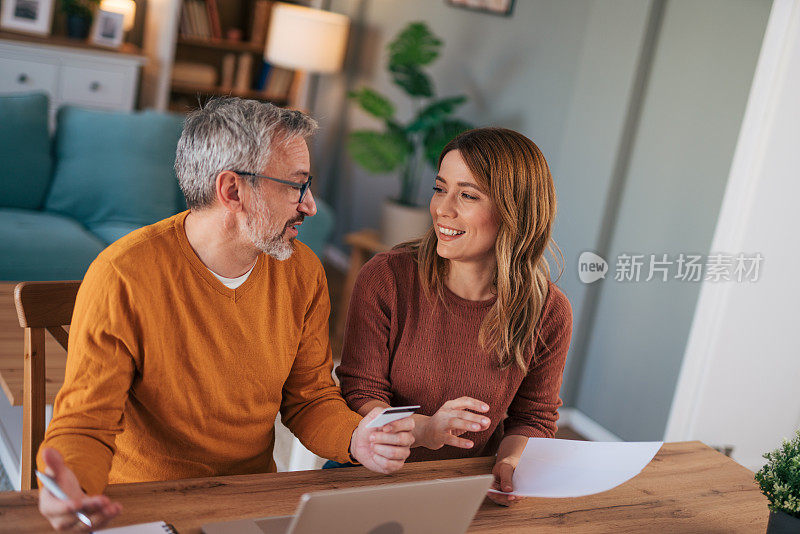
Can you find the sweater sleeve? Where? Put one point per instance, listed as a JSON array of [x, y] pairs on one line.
[[87, 415], [366, 359], [534, 410], [312, 406]]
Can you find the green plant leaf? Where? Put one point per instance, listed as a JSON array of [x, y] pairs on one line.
[[415, 46], [780, 477], [80, 8], [437, 138], [412, 80], [378, 152], [434, 113], [373, 103], [395, 128]]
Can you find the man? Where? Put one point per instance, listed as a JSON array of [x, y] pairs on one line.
[[190, 335]]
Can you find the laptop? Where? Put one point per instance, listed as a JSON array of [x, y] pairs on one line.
[[444, 506]]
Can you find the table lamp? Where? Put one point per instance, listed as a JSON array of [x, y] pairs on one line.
[[307, 40], [125, 7]]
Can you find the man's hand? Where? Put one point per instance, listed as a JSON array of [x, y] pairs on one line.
[[449, 422], [61, 514], [503, 472], [382, 449]]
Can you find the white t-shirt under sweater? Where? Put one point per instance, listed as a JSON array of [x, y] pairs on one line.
[[233, 283]]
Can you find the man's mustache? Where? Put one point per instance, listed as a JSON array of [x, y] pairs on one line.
[[298, 219]]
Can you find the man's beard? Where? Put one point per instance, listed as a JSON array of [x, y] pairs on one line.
[[269, 238]]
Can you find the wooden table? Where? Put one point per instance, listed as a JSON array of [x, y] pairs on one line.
[[11, 355], [688, 487]]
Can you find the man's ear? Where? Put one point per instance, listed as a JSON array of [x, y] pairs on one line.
[[229, 189]]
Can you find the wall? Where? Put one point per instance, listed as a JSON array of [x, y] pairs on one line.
[[636, 106], [739, 379], [692, 110], [518, 72]]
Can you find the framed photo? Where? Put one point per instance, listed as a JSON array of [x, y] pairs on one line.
[[29, 16], [107, 29], [495, 7]]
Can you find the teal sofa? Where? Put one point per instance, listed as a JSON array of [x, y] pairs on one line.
[[102, 174]]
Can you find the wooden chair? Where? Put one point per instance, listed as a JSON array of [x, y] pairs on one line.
[[40, 306]]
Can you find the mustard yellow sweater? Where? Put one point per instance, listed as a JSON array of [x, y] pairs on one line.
[[171, 375]]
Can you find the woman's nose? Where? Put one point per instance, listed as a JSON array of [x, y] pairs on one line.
[[446, 207]]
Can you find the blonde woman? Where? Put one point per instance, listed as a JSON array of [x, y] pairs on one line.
[[466, 321]]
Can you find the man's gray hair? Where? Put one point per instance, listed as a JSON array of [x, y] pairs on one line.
[[232, 134]]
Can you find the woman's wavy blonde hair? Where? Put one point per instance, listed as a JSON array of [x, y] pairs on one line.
[[511, 169]]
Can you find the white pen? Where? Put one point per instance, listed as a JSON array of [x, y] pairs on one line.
[[53, 488]]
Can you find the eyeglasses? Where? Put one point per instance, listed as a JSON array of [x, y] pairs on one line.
[[294, 185]]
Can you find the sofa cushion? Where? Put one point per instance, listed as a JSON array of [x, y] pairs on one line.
[[114, 167], [44, 246], [24, 150], [111, 231]]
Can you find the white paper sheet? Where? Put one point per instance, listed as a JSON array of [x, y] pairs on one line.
[[565, 468]]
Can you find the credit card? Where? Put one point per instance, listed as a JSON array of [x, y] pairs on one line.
[[389, 415]]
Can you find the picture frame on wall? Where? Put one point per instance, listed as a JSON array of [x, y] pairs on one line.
[[494, 7], [27, 16], [107, 29]]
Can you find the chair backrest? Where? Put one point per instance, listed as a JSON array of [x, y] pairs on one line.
[[40, 306]]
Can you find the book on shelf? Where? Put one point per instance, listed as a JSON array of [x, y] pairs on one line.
[[202, 19], [213, 18], [195, 23], [263, 76], [183, 28], [244, 72], [186, 27], [260, 19], [194, 31], [228, 71]]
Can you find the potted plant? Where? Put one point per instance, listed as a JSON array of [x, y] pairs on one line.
[[408, 147], [780, 482], [79, 16]]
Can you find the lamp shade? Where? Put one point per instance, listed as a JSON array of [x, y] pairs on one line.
[[306, 39], [126, 7]]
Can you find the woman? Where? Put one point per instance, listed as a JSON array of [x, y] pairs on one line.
[[465, 321]]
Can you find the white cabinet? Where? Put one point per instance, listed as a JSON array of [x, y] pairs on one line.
[[22, 76], [91, 87], [81, 76]]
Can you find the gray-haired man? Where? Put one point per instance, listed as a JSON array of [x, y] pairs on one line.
[[190, 335]]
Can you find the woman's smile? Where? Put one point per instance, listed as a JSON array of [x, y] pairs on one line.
[[449, 234]]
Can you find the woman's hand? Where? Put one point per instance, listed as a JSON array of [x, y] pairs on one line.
[[449, 422], [508, 455], [503, 472]]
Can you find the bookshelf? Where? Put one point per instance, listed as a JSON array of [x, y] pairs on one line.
[[222, 44], [219, 51]]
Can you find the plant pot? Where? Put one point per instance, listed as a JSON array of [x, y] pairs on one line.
[[400, 223], [782, 523], [78, 26]]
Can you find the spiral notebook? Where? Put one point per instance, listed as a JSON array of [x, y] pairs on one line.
[[159, 527]]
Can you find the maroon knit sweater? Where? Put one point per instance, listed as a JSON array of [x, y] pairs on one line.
[[402, 349]]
